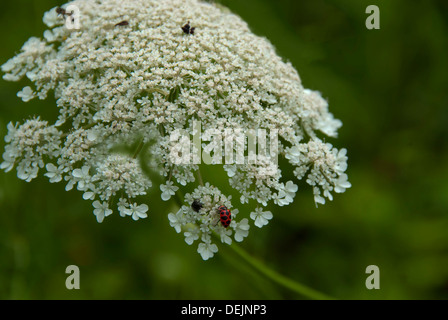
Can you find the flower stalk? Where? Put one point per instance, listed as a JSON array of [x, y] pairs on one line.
[[278, 278]]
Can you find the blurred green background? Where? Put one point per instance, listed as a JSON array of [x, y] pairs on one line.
[[388, 86]]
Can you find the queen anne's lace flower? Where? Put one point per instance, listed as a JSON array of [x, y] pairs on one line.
[[137, 211], [207, 249], [241, 230], [260, 217], [204, 223], [26, 94], [27, 145], [168, 190], [122, 91], [101, 210], [54, 173]]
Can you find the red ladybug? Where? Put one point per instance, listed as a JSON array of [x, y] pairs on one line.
[[224, 216]]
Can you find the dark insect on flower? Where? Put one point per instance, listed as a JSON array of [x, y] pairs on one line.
[[196, 205], [187, 29], [122, 23], [63, 12]]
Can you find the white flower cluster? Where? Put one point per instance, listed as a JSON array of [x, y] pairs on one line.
[[27, 145], [121, 89], [324, 165], [201, 224], [116, 175]]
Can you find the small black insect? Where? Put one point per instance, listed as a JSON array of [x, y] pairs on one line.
[[196, 205], [187, 29], [122, 23], [63, 12]]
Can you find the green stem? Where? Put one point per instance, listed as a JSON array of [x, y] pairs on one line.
[[271, 274], [179, 198], [139, 148], [278, 278], [201, 182]]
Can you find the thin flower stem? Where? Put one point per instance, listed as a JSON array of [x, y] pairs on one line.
[[265, 270], [179, 198], [201, 182], [139, 148], [278, 278]]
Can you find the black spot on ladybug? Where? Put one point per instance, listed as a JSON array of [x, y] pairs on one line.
[[196, 205]]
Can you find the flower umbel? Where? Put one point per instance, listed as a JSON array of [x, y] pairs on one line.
[[122, 89]]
